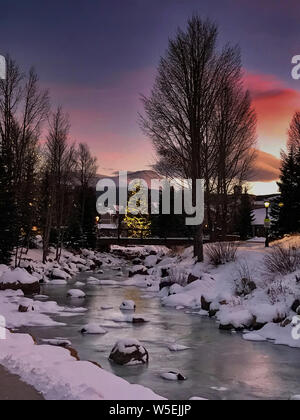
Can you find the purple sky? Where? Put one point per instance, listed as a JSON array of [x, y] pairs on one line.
[[97, 56]]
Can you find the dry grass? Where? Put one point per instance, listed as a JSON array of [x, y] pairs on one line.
[[221, 252], [283, 259]]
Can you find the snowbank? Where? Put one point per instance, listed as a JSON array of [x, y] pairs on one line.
[[59, 376]]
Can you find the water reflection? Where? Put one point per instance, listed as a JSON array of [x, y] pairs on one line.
[[237, 369]]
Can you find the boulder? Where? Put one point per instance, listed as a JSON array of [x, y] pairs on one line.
[[230, 327], [129, 352], [256, 326], [76, 294], [164, 272], [138, 269], [192, 278], [25, 306], [205, 305], [173, 376], [165, 283], [138, 320], [137, 261], [295, 305], [212, 312], [58, 274], [128, 305], [19, 279], [93, 329], [286, 322]]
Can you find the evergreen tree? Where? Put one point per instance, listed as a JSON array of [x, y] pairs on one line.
[[8, 232], [245, 217], [138, 225], [285, 211]]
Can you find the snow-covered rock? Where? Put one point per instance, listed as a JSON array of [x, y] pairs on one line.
[[25, 305], [129, 352], [133, 319], [138, 269], [58, 274], [173, 376], [128, 305], [93, 328], [151, 261], [235, 318], [177, 347], [76, 293], [79, 284], [59, 342], [19, 278]]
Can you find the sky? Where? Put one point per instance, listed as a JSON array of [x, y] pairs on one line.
[[98, 56]]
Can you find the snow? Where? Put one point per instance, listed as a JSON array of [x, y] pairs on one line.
[[151, 261], [79, 284], [58, 376], [278, 335], [259, 216], [127, 345], [9, 304], [237, 317], [57, 342], [177, 347], [18, 275], [106, 307], [253, 337], [60, 274]]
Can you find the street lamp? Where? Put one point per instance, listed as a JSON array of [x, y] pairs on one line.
[[267, 223]]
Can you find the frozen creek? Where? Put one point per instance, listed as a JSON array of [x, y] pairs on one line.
[[218, 365]]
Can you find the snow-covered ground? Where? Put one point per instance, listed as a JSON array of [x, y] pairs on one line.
[[59, 376]]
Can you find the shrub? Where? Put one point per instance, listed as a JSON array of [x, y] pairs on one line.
[[278, 291], [221, 252], [283, 260], [245, 283], [178, 275]]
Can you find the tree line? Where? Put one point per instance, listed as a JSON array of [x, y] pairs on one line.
[[45, 179]]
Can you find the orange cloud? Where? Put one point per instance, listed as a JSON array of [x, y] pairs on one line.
[[266, 168], [275, 104]]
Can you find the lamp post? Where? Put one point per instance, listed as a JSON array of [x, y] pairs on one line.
[[267, 223]]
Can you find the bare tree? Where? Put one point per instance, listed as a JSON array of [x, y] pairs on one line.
[[86, 170], [23, 109], [181, 110], [60, 166], [234, 131]]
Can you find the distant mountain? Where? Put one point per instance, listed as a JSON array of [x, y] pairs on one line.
[[146, 175]]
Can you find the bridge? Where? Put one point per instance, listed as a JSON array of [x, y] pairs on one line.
[[108, 241], [123, 237]]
